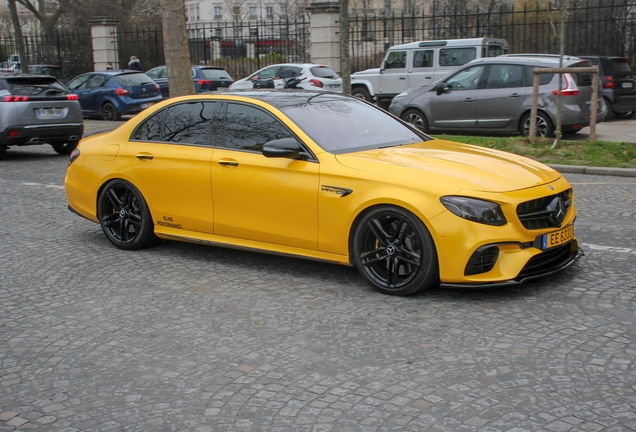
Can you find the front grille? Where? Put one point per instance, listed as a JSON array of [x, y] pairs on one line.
[[545, 261], [535, 214]]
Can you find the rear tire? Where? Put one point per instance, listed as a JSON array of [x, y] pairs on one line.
[[543, 128], [610, 110], [65, 148], [110, 113]]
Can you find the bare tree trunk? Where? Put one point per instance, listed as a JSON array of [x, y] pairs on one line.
[[19, 38], [345, 58], [175, 48]]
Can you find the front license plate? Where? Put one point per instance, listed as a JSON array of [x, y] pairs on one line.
[[627, 85], [46, 113], [557, 238], [146, 105]]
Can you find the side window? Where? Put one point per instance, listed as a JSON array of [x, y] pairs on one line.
[[456, 56], [270, 72], [466, 79], [248, 128], [423, 59], [154, 74], [395, 60], [544, 78], [185, 123], [289, 72], [78, 83], [504, 76], [96, 81]]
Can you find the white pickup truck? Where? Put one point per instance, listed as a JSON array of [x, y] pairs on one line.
[[419, 64]]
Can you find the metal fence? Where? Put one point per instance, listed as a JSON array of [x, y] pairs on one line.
[[595, 27]]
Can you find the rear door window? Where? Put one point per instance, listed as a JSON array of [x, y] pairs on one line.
[[504, 76], [456, 56], [423, 58]]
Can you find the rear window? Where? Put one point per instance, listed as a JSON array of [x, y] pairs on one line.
[[323, 72], [34, 86], [135, 79], [619, 65], [215, 74]]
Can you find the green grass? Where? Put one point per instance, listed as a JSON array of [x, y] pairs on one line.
[[599, 154]]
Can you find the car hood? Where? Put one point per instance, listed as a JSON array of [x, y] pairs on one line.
[[375, 71], [455, 165]]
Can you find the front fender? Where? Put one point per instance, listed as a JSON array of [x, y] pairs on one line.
[[364, 83]]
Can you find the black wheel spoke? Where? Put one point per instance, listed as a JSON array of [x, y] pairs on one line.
[[377, 229]]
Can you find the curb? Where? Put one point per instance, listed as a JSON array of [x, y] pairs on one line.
[[605, 171]]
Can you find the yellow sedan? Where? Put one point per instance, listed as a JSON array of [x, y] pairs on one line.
[[329, 177]]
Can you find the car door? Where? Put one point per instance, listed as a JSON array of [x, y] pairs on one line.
[[422, 68], [393, 76], [455, 107], [160, 76], [271, 200], [170, 154], [501, 97]]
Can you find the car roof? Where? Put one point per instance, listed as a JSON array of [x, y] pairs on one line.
[[194, 67], [45, 65], [449, 43], [529, 59], [302, 65], [281, 98]]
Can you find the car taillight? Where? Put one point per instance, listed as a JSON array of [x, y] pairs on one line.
[[570, 88], [13, 133], [122, 92], [15, 99], [157, 87], [203, 82], [610, 83], [72, 97], [315, 82]]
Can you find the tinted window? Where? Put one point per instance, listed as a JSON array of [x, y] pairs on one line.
[[396, 60], [215, 74], [96, 81], [34, 86], [619, 65], [269, 72], [353, 125], [545, 78], [456, 56], [494, 51], [423, 58], [289, 72], [248, 128], [504, 76], [78, 83], [134, 79], [185, 123], [323, 72]]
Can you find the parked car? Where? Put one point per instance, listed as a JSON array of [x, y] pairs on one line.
[[312, 76], [619, 85], [51, 70], [37, 109], [417, 64], [325, 176], [494, 95], [112, 93], [206, 78]]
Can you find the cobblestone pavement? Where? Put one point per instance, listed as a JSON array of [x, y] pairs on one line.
[[184, 337]]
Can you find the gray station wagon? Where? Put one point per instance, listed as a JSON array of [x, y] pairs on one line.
[[494, 95]]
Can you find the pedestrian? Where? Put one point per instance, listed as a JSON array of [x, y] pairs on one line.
[[109, 66], [134, 63]]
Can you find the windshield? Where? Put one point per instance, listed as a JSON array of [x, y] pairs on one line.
[[350, 125]]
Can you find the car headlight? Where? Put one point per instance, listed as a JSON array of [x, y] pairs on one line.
[[400, 96], [475, 210]]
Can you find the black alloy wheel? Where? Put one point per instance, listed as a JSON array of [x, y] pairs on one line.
[[543, 128], [64, 148], [417, 119], [124, 216], [394, 251], [109, 112]]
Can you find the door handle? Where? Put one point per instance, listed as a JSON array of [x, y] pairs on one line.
[[469, 100], [228, 163], [144, 157], [402, 78], [515, 95]]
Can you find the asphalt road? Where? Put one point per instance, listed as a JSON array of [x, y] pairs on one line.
[[184, 337]]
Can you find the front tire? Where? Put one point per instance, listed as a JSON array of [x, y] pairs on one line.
[[394, 251], [417, 119], [124, 216], [110, 113], [543, 128], [361, 93]]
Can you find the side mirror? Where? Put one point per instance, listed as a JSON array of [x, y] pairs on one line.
[[283, 148], [442, 88]]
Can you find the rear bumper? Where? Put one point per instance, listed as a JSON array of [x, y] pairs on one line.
[[42, 134]]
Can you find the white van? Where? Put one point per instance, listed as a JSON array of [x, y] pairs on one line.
[[418, 64]]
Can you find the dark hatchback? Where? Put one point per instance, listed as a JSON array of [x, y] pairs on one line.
[[38, 109], [619, 85], [110, 94], [206, 78]]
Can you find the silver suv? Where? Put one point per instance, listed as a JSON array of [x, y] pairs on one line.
[[37, 109], [494, 95]]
